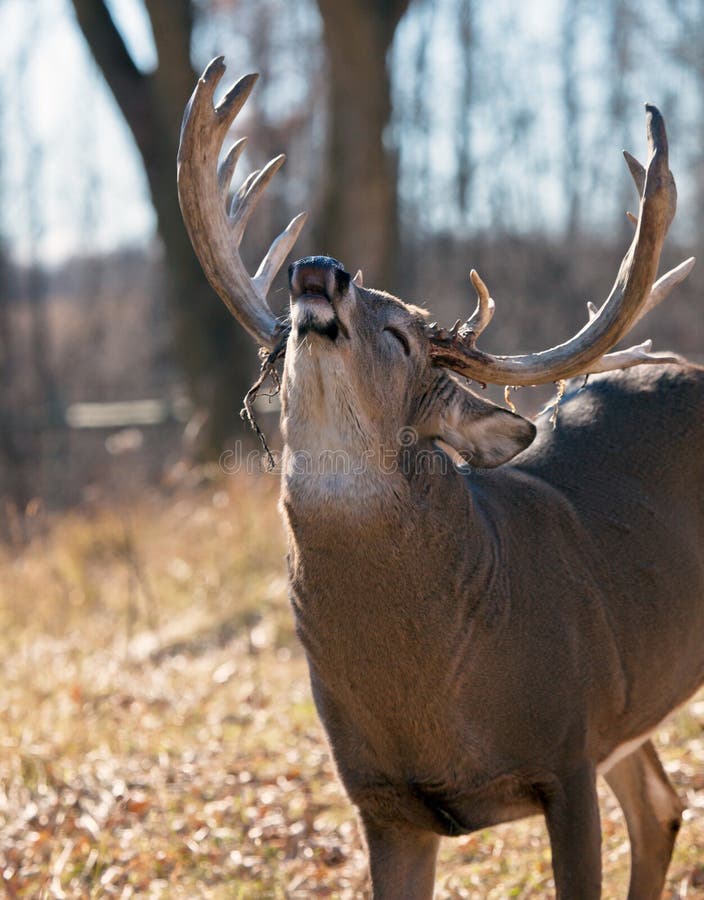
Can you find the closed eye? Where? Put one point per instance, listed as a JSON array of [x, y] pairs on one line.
[[401, 338]]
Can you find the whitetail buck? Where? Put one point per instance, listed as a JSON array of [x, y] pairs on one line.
[[482, 641]]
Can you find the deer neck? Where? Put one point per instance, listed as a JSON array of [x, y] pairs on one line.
[[364, 512], [361, 534], [370, 578], [333, 460]]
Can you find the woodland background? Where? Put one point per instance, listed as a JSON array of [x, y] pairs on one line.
[[423, 137]]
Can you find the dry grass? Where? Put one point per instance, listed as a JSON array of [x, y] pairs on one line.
[[158, 738]]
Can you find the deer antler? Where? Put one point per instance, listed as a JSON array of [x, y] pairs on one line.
[[216, 225], [632, 295]]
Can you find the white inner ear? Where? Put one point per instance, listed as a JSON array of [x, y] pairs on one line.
[[483, 434], [491, 440]]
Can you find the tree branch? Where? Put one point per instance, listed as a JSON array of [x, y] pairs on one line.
[[110, 53]]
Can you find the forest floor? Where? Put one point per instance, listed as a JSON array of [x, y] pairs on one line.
[[158, 737]]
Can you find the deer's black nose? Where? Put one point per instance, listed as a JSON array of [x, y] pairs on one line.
[[321, 276]]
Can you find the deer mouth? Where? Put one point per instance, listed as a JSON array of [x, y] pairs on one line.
[[314, 314], [317, 286]]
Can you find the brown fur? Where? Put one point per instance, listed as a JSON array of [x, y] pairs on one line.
[[480, 641]]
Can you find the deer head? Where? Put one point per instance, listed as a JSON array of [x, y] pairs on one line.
[[361, 365], [359, 371]]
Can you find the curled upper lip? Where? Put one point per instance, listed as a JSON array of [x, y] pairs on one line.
[[319, 280]]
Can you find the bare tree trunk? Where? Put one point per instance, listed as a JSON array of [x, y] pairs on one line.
[[686, 51], [14, 484], [570, 101], [32, 397], [212, 351], [465, 166], [359, 218], [623, 35]]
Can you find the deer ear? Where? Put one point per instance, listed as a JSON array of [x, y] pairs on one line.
[[484, 434]]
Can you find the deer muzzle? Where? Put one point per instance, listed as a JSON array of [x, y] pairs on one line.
[[317, 284]]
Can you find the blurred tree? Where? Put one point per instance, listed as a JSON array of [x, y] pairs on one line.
[[14, 487], [213, 351], [30, 389], [465, 160], [570, 100], [359, 216], [624, 28], [12, 474], [686, 50]]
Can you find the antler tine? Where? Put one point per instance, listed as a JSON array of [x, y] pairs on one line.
[[229, 164], [632, 295], [665, 284], [215, 231], [246, 204], [205, 89], [658, 292], [238, 195], [201, 105], [485, 308], [278, 252], [637, 171], [626, 359]]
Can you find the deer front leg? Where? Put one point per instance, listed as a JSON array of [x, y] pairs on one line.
[[572, 817], [653, 812], [401, 861]]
